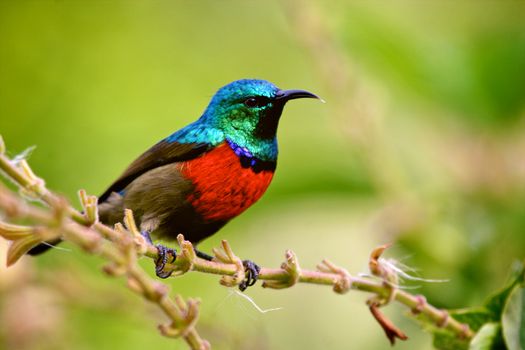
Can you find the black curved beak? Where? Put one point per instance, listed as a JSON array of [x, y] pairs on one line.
[[287, 95]]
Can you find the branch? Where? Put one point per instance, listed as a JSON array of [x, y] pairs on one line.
[[60, 219], [122, 245]]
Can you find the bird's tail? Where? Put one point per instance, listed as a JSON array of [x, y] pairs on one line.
[[43, 247]]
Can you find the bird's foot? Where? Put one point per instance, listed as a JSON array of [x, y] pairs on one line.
[[251, 271], [162, 260]]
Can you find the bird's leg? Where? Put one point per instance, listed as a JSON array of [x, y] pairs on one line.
[[146, 236], [162, 259], [251, 271], [203, 255]]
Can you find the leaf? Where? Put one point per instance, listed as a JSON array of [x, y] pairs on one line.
[[497, 302], [513, 319], [479, 317], [488, 338], [447, 341], [474, 317]]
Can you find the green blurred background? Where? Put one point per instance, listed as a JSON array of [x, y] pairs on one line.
[[421, 142]]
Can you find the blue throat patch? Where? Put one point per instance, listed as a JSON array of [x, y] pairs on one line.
[[248, 160]]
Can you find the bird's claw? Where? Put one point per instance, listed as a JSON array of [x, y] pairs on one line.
[[251, 271], [162, 260]]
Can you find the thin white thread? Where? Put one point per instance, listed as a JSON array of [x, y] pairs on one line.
[[250, 300], [57, 247], [400, 268]]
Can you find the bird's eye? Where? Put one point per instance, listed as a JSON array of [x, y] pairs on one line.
[[259, 101], [251, 102]]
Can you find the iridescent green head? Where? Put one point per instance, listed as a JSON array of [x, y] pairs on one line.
[[250, 108], [245, 112]]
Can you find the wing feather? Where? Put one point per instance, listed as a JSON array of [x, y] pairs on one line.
[[162, 153]]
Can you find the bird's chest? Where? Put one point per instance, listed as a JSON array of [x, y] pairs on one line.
[[223, 187]]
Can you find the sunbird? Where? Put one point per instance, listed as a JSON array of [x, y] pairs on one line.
[[200, 177]]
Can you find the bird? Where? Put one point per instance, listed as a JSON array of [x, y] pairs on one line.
[[200, 177]]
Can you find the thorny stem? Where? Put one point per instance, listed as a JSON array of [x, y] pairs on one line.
[[122, 246]]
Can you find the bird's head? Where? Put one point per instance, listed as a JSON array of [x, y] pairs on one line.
[[248, 110]]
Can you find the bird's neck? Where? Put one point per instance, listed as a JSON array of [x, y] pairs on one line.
[[248, 160], [265, 150], [198, 132]]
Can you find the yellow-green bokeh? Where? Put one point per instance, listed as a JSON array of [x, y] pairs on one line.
[[420, 143]]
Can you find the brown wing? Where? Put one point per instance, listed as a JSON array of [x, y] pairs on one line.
[[161, 154]]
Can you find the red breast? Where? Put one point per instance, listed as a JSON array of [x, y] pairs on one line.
[[222, 187]]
